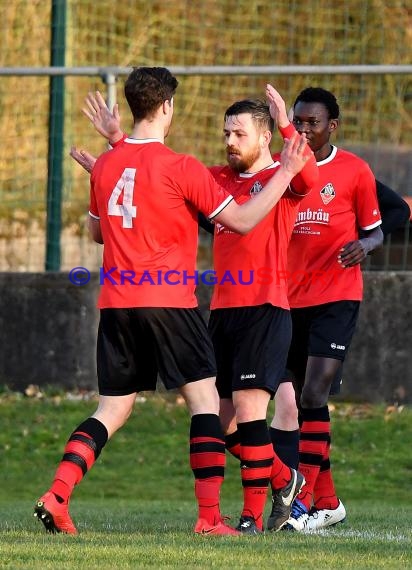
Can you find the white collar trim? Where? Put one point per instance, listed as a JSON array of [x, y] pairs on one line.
[[330, 157], [141, 141], [250, 174]]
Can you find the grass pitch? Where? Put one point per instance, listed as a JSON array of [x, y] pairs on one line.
[[135, 508]]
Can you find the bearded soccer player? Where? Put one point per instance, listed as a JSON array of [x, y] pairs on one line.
[[325, 291], [144, 202], [250, 323]]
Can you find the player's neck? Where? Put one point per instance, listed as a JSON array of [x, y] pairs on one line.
[[148, 130], [324, 152], [263, 162]]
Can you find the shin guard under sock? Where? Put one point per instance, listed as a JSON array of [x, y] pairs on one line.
[[286, 446], [207, 460], [256, 452], [81, 451], [314, 437]]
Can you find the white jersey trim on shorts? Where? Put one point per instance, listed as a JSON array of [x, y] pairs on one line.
[[94, 216]]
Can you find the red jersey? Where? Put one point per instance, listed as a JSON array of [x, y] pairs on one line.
[[250, 269], [147, 198], [343, 200]]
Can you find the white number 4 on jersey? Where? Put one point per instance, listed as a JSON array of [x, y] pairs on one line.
[[125, 186]]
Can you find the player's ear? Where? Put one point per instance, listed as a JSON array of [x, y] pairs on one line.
[[167, 106], [266, 137], [333, 125]]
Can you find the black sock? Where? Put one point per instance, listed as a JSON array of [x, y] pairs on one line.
[[286, 446]]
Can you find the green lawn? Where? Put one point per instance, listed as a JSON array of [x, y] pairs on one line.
[[135, 508]]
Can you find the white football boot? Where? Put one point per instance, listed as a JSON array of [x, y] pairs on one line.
[[323, 518]]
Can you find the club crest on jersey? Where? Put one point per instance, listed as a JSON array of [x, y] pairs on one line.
[[256, 188], [327, 193]]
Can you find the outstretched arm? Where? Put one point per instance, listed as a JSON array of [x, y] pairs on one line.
[[105, 122], [277, 107], [307, 178], [84, 158]]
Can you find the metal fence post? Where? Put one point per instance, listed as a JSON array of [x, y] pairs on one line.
[[56, 134], [110, 79]]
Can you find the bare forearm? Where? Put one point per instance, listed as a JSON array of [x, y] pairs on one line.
[[95, 230], [373, 240], [304, 181], [356, 251], [117, 138], [243, 218]]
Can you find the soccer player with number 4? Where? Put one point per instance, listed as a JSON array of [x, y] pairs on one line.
[[144, 204]]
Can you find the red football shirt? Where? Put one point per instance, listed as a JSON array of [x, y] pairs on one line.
[[147, 198], [343, 200], [250, 269]]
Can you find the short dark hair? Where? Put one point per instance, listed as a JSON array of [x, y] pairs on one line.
[[255, 107], [146, 88], [319, 95]]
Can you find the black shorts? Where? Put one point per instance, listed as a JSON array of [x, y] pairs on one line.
[[136, 345], [322, 330], [251, 346]]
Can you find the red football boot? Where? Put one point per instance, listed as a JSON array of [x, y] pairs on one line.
[[204, 527], [54, 515]]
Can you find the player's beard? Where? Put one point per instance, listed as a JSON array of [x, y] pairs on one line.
[[241, 162]]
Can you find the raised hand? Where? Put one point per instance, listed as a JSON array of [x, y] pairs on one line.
[[84, 158], [277, 106], [293, 156], [105, 122]]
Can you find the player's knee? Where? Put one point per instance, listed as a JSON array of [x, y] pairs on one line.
[[313, 397], [201, 397], [286, 411], [114, 418], [285, 404]]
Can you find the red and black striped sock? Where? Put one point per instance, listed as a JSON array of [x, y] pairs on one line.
[[232, 444], [81, 451], [324, 492], [314, 437], [207, 460], [256, 452]]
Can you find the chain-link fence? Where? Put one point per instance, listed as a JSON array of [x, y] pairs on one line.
[[376, 107]]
